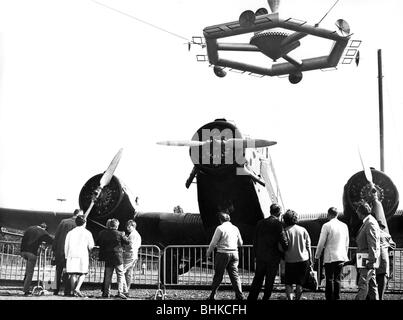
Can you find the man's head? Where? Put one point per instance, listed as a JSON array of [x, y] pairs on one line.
[[80, 220], [112, 224], [130, 225], [332, 213], [290, 217], [223, 217], [44, 226], [78, 212], [275, 210], [363, 210]]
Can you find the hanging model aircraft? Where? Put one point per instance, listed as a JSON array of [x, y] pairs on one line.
[[272, 36], [276, 38]]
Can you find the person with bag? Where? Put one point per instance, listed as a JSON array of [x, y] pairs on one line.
[[297, 257], [334, 241], [269, 238], [368, 243]]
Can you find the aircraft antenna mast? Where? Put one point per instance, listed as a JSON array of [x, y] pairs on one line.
[[380, 93]]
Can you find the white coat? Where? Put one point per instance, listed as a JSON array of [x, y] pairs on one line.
[[79, 242]]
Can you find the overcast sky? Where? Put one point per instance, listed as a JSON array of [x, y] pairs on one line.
[[79, 81]]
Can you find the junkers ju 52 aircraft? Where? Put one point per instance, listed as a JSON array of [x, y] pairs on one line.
[[233, 173], [276, 37]]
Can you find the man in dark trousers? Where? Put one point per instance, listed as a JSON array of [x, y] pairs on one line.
[[111, 242], [268, 237], [31, 240], [368, 242], [227, 239], [333, 241], [63, 228]]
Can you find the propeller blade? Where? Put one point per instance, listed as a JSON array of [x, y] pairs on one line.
[[182, 143], [367, 170], [105, 179], [107, 176], [251, 143]]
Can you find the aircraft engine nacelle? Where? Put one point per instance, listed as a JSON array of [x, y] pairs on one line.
[[113, 202], [216, 158], [358, 188]]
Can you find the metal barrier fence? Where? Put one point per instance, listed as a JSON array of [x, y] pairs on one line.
[[176, 266], [189, 266], [12, 266]]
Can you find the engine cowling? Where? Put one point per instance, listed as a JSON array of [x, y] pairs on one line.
[[358, 188], [113, 202], [214, 158]]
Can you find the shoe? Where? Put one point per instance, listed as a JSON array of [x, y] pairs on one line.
[[105, 295], [78, 294], [55, 293], [121, 296], [28, 293], [127, 294]]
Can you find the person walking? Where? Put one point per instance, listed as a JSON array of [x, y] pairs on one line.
[[334, 241], [368, 242], [63, 228], [31, 240], [269, 237], [226, 238], [110, 242], [297, 257], [130, 255], [79, 242]]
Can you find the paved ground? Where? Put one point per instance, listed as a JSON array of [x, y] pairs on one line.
[[15, 293]]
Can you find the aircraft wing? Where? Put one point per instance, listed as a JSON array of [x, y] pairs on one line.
[[22, 219]]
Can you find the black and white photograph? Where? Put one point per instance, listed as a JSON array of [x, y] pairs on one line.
[[200, 158]]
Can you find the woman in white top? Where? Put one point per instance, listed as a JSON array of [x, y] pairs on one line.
[[79, 242]]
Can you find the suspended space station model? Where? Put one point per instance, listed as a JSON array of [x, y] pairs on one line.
[[276, 37]]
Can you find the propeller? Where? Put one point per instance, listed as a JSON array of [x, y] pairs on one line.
[[182, 143], [343, 27], [367, 170], [237, 142], [105, 179], [377, 208]]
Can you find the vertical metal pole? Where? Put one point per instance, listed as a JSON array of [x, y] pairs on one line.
[[380, 93]]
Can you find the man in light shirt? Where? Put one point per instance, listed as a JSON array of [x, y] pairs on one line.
[[130, 255], [226, 238], [334, 239]]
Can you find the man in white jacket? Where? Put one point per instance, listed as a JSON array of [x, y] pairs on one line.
[[334, 239]]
